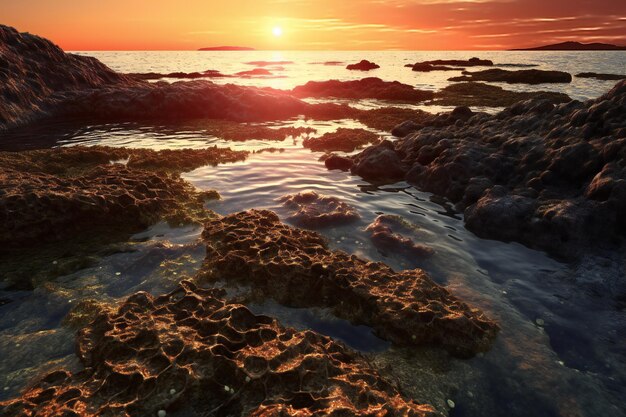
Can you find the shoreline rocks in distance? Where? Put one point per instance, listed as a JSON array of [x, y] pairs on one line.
[[576, 46], [531, 76], [363, 65], [548, 176], [425, 67], [227, 48], [603, 77]]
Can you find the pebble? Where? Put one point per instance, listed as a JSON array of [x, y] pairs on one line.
[[540, 322], [161, 413], [451, 403], [226, 388], [55, 262], [470, 394], [172, 391], [247, 379], [413, 337], [118, 273]]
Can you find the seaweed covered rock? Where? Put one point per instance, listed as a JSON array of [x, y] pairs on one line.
[[480, 94], [370, 87], [48, 195], [548, 176], [363, 65], [343, 139], [389, 235], [312, 210], [192, 352], [294, 267], [531, 76]]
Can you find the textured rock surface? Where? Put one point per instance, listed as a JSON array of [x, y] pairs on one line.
[[370, 87], [479, 94], [313, 210], [49, 195], [192, 352], [532, 76], [342, 139], [388, 233], [294, 267], [549, 176], [34, 71], [363, 65]]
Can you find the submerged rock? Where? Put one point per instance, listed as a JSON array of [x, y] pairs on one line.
[[312, 210], [548, 176], [334, 161], [179, 75], [472, 62], [531, 76], [254, 72], [388, 232], [294, 267], [363, 65], [370, 87], [597, 76], [191, 351], [480, 94], [425, 67], [342, 139]]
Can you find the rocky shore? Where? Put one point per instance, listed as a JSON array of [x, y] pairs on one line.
[[549, 176]]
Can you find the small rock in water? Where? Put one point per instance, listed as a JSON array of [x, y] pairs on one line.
[[172, 391], [540, 322], [55, 262], [247, 379], [226, 388], [118, 273], [450, 403], [161, 413]]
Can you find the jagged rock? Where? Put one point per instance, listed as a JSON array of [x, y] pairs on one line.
[[312, 210], [558, 170], [342, 139], [295, 268], [363, 65], [532, 76], [479, 94], [192, 352]]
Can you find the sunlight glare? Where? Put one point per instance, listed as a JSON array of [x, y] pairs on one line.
[[277, 31]]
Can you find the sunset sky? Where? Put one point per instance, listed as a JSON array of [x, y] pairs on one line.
[[317, 24]]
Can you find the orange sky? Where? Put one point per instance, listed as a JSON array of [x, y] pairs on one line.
[[317, 24]]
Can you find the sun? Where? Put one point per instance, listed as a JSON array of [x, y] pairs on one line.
[[277, 31]]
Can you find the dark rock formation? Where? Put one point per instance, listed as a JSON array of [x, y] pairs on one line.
[[33, 71], [312, 210], [227, 48], [576, 46], [333, 161], [178, 75], [386, 118], [268, 63], [388, 232], [425, 67], [370, 87], [472, 62], [191, 351], [605, 77], [254, 72], [295, 268], [480, 94], [363, 65], [532, 76], [52, 194], [328, 63], [548, 176], [342, 139]]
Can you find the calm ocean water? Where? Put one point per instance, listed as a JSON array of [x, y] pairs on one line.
[[561, 350]]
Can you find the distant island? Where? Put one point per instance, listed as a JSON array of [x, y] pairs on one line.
[[576, 46], [227, 48]]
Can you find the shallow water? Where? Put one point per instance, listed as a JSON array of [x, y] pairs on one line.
[[560, 351]]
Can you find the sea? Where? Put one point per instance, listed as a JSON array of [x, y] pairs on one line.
[[562, 346]]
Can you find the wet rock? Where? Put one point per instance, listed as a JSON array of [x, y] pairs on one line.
[[597, 76], [342, 139], [191, 352], [338, 162], [480, 94], [388, 232], [178, 75], [549, 176], [386, 118], [425, 67], [312, 210], [379, 162], [370, 87], [532, 76], [254, 72], [472, 62], [295, 268], [363, 65]]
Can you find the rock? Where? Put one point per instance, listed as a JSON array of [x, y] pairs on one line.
[[342, 139], [388, 232], [178, 75], [404, 128], [379, 162], [472, 62], [254, 72], [363, 65], [531, 76], [338, 162], [295, 268], [479, 94], [370, 87], [549, 176], [425, 67], [312, 210], [605, 77], [217, 356]]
